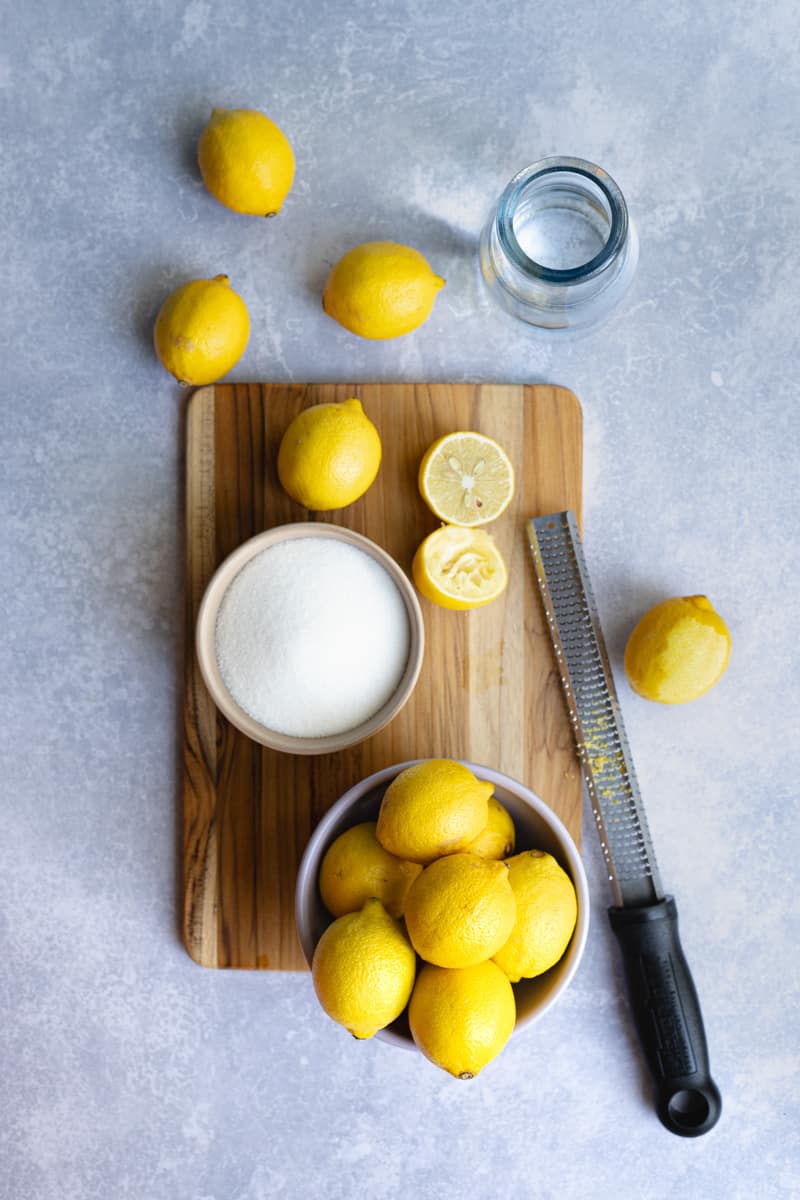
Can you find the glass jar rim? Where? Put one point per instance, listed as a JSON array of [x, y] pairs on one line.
[[618, 211]]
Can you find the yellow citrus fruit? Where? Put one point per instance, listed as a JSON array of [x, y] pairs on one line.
[[546, 914], [381, 290], [678, 650], [202, 330], [466, 479], [329, 455], [497, 839], [460, 911], [459, 568], [432, 808], [461, 1019], [356, 867], [363, 970], [246, 161]]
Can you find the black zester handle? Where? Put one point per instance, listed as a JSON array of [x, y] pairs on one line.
[[668, 1017]]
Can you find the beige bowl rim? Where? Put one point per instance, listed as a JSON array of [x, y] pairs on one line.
[[206, 631]]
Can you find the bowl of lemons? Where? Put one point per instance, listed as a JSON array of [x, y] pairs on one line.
[[441, 906]]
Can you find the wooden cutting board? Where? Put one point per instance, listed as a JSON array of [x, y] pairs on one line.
[[488, 692]]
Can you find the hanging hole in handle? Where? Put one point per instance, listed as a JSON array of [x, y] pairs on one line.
[[688, 1108]]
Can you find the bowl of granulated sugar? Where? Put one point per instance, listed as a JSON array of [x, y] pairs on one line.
[[309, 638]]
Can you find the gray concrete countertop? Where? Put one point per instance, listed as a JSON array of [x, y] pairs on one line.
[[127, 1070]]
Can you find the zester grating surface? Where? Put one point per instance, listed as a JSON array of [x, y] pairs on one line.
[[594, 710]]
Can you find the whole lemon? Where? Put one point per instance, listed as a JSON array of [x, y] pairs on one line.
[[329, 455], [546, 914], [381, 290], [363, 970], [246, 161], [432, 808], [461, 1019], [356, 867], [498, 838], [202, 330], [678, 650], [460, 911]]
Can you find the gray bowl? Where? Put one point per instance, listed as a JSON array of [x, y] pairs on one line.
[[538, 828]]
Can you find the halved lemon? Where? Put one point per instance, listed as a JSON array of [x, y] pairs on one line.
[[459, 568], [466, 478]]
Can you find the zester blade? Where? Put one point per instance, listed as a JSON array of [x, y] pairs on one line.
[[594, 710]]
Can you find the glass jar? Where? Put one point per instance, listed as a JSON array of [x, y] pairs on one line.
[[560, 250]]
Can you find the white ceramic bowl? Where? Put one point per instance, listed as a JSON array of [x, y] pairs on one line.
[[538, 828], [205, 640]]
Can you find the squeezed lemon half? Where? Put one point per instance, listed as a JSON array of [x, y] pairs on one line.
[[459, 568]]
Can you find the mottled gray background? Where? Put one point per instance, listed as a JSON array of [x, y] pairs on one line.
[[129, 1072]]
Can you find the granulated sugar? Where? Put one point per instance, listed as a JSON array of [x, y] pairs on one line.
[[312, 637]]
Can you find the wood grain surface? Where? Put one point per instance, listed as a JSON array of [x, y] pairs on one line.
[[488, 691]]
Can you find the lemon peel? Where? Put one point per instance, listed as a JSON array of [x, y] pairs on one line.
[[678, 650]]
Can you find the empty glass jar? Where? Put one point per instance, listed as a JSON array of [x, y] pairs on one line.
[[560, 250]]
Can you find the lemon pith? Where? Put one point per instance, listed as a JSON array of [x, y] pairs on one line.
[[466, 479]]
